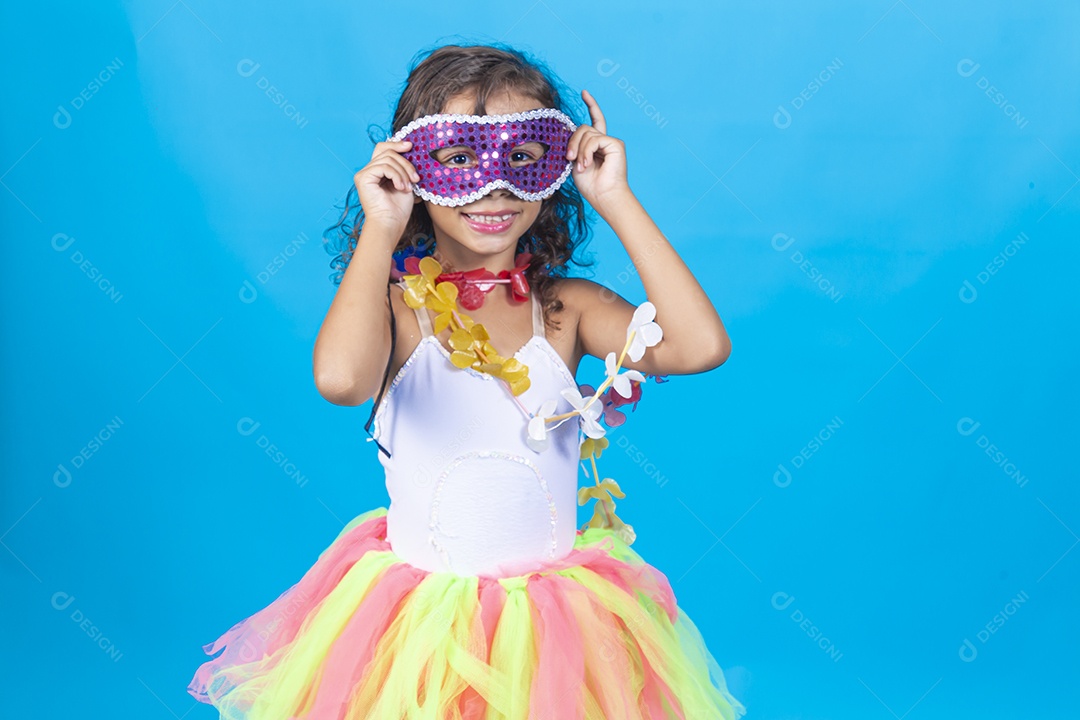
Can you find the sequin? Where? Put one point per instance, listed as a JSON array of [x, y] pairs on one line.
[[532, 182], [497, 454]]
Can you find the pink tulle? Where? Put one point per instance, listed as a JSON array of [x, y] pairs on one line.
[[570, 630], [271, 628]]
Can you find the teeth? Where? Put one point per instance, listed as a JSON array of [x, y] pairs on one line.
[[489, 219]]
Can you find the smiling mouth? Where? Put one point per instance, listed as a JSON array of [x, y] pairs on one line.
[[487, 219]]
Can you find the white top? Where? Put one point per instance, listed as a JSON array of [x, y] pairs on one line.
[[467, 494]]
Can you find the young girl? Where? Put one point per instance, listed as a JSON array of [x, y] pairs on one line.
[[473, 595]]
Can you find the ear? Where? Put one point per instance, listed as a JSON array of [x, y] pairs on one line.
[[416, 199]]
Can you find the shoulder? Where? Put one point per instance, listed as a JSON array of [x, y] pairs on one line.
[[588, 299], [580, 295], [598, 315], [579, 299], [406, 328], [398, 308], [571, 301], [404, 315]]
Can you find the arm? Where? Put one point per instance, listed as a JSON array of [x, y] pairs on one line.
[[353, 345], [694, 336], [695, 339], [354, 341]]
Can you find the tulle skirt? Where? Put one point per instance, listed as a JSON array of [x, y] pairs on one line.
[[596, 635]]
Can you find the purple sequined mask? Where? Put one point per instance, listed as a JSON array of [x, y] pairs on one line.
[[489, 142]]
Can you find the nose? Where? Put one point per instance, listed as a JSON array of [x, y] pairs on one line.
[[501, 194]]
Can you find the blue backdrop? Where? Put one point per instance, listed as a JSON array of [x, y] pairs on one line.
[[870, 510]]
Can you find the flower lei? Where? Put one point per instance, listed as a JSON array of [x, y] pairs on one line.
[[618, 388], [472, 349], [473, 285], [469, 339]]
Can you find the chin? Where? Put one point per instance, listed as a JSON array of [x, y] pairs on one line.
[[487, 246]]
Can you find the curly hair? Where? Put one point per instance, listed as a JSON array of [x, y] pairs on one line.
[[435, 77]]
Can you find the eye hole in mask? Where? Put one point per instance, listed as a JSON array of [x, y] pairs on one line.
[[520, 156]]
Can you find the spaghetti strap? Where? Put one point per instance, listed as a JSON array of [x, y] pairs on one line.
[[422, 318], [537, 315], [423, 321]]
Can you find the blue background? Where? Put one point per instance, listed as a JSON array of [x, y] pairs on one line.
[[880, 198]]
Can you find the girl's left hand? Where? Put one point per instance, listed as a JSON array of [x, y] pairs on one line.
[[599, 170]]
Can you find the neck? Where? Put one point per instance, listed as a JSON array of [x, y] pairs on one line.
[[454, 257]]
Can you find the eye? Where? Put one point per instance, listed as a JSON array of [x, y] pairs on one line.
[[458, 156], [527, 154]]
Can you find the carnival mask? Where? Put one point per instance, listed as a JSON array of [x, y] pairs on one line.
[[523, 152]]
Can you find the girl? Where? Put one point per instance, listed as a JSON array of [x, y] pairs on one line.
[[473, 595]]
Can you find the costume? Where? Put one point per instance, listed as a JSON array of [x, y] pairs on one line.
[[473, 596]]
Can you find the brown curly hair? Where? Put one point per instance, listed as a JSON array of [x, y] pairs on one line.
[[560, 229]]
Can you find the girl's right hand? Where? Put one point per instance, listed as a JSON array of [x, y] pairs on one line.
[[384, 186]]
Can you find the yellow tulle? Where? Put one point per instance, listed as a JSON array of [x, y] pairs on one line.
[[463, 648]]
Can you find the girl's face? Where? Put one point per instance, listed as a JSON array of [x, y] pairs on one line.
[[461, 239]]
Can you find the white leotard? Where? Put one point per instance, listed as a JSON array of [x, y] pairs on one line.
[[467, 494]]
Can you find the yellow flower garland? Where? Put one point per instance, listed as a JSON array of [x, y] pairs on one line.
[[469, 340], [604, 510]]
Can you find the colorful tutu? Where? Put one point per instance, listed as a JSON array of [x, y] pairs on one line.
[[596, 635]]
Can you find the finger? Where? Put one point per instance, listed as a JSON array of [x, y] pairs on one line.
[[391, 148], [393, 151], [379, 173], [406, 166], [573, 145], [386, 169], [392, 156], [594, 112], [402, 176], [381, 148], [587, 148]]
